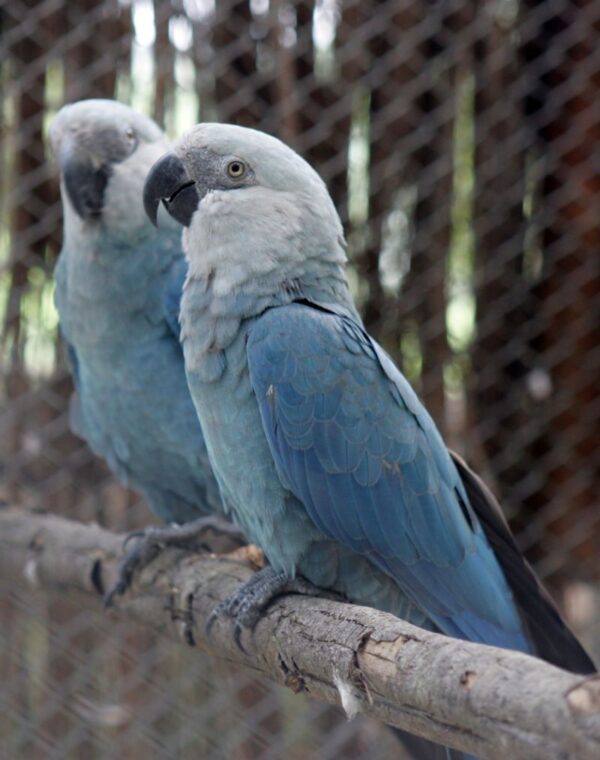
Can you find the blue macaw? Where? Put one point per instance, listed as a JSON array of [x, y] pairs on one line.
[[118, 286], [327, 457]]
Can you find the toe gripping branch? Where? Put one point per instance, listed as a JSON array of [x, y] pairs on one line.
[[246, 605], [151, 541]]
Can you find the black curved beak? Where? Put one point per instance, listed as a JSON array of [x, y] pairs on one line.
[[169, 182], [85, 184]]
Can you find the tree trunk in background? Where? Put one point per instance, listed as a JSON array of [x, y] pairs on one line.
[[28, 199], [202, 57], [92, 63], [324, 145], [164, 63], [286, 74], [558, 39], [29, 177], [432, 162], [411, 144], [389, 127], [501, 357], [235, 64], [353, 61]]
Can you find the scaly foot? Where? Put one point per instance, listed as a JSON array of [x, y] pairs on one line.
[[245, 606], [151, 541]]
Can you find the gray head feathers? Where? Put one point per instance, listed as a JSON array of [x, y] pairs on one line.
[[257, 215], [260, 230], [104, 150]]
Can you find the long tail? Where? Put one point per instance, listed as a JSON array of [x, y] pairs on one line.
[[550, 635]]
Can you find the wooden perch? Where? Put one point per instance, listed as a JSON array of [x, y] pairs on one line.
[[487, 701]]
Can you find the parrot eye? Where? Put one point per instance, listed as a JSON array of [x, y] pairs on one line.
[[129, 133], [236, 169]]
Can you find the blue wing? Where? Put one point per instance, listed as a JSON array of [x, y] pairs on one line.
[[354, 444], [120, 406]]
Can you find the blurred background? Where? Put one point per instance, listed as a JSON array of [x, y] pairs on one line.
[[459, 140]]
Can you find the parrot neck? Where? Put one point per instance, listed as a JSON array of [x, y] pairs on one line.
[[91, 249], [106, 278], [292, 251], [256, 247], [286, 255]]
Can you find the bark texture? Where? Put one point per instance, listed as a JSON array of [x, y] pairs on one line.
[[487, 701]]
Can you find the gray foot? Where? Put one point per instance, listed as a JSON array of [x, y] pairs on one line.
[[151, 541], [246, 605]]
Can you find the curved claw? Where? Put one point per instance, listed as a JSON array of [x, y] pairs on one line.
[[117, 590], [212, 619], [246, 605], [237, 637], [151, 540], [214, 616], [134, 534], [223, 610]]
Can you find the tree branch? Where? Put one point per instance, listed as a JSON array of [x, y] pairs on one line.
[[487, 701]]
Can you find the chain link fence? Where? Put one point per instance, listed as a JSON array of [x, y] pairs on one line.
[[459, 140]]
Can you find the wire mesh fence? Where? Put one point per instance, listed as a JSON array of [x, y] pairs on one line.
[[459, 141]]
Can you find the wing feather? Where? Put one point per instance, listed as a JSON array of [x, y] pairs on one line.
[[353, 443]]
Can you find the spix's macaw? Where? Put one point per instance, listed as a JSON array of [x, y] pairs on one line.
[[329, 460], [118, 287]]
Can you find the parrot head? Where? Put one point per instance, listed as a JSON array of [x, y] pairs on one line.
[[104, 150], [252, 207]]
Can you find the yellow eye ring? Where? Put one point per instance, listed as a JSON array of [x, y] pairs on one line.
[[236, 169]]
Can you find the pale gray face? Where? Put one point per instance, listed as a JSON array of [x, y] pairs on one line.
[[90, 140], [255, 212], [214, 171], [223, 157]]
